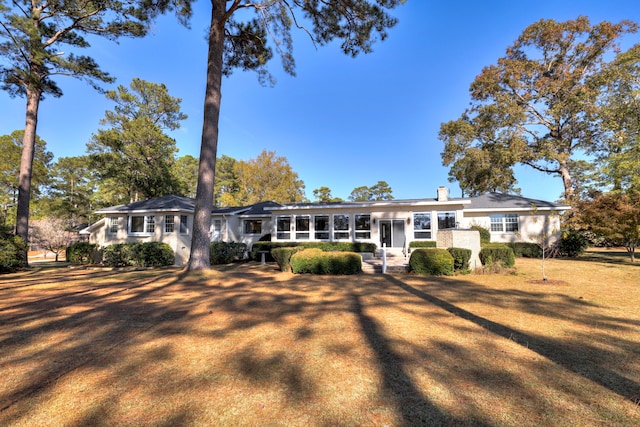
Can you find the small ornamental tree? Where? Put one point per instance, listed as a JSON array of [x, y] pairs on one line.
[[51, 235]]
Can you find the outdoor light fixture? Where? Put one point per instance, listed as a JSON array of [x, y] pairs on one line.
[[408, 220]]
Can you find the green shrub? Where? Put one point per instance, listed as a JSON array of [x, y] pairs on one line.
[[118, 255], [147, 254], [431, 262], [497, 253], [324, 246], [226, 252], [283, 256], [13, 251], [485, 234], [572, 243], [461, 257], [316, 261], [81, 252], [414, 244], [526, 249]]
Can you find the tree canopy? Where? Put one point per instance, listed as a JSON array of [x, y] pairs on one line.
[[134, 154], [379, 191], [323, 195], [538, 106]]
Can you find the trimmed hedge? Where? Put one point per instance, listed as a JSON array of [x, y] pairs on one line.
[[422, 244], [431, 262], [226, 252], [526, 249], [81, 252], [461, 257], [316, 261], [497, 252], [13, 253], [147, 254], [283, 256], [324, 246]]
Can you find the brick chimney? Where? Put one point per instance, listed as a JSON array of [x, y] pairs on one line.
[[443, 194]]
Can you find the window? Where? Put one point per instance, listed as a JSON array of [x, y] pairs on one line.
[[422, 225], [302, 227], [446, 220], [340, 227], [253, 226], [504, 223], [169, 224], [283, 227], [113, 224], [363, 226], [321, 224], [142, 224], [184, 228]]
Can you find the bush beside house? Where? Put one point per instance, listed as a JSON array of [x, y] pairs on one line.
[[13, 250], [316, 261], [431, 262], [497, 253], [147, 254]]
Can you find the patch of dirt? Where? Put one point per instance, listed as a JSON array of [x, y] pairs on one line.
[[547, 282]]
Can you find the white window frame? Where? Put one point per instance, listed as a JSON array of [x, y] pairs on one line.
[[341, 233], [422, 233], [316, 231], [244, 226], [169, 224], [302, 234], [504, 223], [284, 234], [113, 224], [364, 232], [184, 224], [447, 215], [148, 225]]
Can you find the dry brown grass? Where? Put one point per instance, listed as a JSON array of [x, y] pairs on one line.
[[247, 345]]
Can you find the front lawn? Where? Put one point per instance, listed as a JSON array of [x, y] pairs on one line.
[[248, 345]]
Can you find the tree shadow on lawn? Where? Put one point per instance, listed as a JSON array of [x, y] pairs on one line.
[[575, 355]]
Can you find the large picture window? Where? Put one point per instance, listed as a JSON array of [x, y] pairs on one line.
[[340, 227], [363, 226], [504, 223], [321, 226], [302, 227], [253, 226], [142, 224], [283, 225], [446, 220], [422, 225]]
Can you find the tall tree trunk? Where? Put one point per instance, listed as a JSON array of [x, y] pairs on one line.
[[26, 165], [567, 181], [201, 240]]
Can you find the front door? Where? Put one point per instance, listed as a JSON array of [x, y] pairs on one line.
[[392, 233]]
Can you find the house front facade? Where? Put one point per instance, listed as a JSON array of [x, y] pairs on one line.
[[392, 223]]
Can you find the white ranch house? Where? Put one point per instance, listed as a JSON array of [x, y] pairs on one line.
[[392, 223]]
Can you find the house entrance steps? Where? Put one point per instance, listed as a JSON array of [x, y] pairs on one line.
[[396, 262]]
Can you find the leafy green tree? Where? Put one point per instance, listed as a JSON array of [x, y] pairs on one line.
[[227, 185], [185, 170], [379, 191], [10, 149], [538, 105], [38, 42], [71, 189], [323, 195], [267, 178], [135, 154], [238, 39], [619, 158]]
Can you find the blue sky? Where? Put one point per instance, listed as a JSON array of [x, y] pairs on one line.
[[341, 122]]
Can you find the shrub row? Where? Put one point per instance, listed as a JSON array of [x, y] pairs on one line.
[[316, 261], [497, 253], [226, 252], [323, 246], [147, 254], [431, 262], [461, 257], [13, 251], [526, 249], [82, 253]]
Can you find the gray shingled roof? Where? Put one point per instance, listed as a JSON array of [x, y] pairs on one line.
[[165, 203], [509, 201]]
